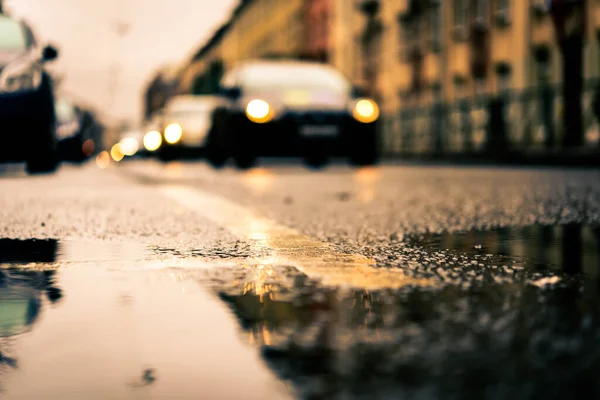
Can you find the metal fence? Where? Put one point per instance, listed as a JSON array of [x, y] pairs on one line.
[[521, 121]]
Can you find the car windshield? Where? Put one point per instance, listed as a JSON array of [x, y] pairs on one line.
[[276, 78], [12, 37], [191, 108]]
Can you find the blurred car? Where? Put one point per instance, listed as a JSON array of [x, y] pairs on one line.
[[73, 135], [287, 108], [27, 119], [93, 132], [186, 122]]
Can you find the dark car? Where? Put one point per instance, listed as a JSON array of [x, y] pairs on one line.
[[76, 131], [292, 108], [27, 118]]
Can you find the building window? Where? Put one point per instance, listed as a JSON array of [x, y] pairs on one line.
[[482, 11], [503, 6], [460, 10], [434, 31], [502, 12], [460, 13], [504, 75], [405, 36]]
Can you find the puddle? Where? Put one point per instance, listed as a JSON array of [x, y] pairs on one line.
[[121, 334], [573, 248], [512, 339], [23, 294]]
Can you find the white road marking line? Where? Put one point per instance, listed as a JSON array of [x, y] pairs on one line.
[[288, 246]]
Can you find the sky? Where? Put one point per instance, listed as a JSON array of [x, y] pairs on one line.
[[160, 32]]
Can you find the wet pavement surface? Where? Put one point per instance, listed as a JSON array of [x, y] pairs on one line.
[[176, 281]]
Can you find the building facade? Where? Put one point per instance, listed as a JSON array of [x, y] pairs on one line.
[[318, 33], [163, 85], [256, 29], [450, 75], [442, 67]]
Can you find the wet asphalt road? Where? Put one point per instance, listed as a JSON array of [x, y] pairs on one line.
[[177, 281]]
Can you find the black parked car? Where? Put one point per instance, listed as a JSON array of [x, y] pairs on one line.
[[77, 131], [287, 108], [27, 119]]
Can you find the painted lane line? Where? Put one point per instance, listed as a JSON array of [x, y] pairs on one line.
[[289, 247]]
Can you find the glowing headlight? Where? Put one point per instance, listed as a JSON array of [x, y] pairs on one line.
[[152, 140], [129, 146], [365, 111], [116, 153], [173, 133], [259, 111], [20, 76]]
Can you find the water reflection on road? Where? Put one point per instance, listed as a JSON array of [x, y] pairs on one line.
[[572, 248], [156, 330], [481, 340]]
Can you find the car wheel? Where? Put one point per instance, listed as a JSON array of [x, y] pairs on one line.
[[365, 153], [215, 154], [43, 165], [42, 161], [243, 147], [364, 159], [245, 161], [216, 148], [316, 160], [167, 155], [216, 159], [44, 158]]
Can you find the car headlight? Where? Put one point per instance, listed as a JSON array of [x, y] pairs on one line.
[[152, 140], [129, 146], [259, 111], [365, 111], [20, 76], [173, 133]]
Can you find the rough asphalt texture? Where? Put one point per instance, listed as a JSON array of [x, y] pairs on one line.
[[489, 327]]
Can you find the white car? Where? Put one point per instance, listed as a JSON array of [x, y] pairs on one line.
[[186, 123], [292, 108]]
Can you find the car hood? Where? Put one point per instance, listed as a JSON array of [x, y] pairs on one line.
[[302, 100]]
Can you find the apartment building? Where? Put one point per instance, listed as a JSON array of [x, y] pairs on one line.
[[429, 53]]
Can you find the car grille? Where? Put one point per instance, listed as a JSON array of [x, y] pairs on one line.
[[315, 117]]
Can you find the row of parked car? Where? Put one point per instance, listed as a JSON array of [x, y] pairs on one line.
[[37, 126], [268, 108]]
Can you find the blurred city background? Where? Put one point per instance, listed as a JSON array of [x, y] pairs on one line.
[[460, 77]]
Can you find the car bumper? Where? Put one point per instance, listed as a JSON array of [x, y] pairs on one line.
[[292, 136]]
